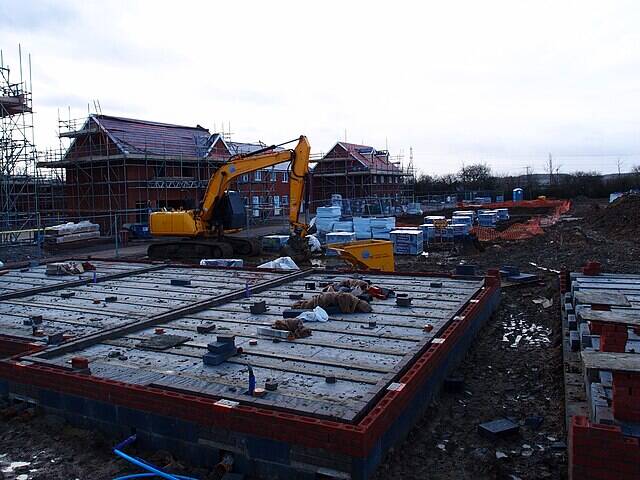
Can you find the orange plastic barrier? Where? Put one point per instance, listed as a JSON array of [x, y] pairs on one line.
[[523, 231]]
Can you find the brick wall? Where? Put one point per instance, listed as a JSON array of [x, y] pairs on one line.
[[601, 452]]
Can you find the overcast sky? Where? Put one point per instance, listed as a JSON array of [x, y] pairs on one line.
[[501, 82]]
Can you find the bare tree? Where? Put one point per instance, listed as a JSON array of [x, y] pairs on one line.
[[476, 176]]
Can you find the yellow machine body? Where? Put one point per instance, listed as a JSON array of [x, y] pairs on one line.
[[367, 254], [169, 224]]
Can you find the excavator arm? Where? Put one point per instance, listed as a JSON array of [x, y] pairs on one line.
[[299, 158]]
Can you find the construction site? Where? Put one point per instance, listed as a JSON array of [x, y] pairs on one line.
[[178, 304]]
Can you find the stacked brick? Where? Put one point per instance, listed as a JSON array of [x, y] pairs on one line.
[[601, 452], [626, 397], [605, 445]]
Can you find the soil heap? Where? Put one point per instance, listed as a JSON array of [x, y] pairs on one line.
[[620, 218]]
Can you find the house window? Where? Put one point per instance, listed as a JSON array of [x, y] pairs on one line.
[[161, 171], [244, 178], [274, 175], [381, 178], [375, 179], [285, 177], [285, 200], [276, 205], [396, 179], [257, 176]]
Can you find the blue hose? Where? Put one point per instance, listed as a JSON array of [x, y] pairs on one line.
[[153, 471]]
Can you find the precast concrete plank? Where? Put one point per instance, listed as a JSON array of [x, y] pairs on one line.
[[619, 362], [363, 352], [601, 297], [612, 316]]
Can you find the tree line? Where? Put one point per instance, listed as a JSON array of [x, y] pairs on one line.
[[479, 177]]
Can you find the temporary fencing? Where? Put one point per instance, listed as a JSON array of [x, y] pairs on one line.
[[523, 231]]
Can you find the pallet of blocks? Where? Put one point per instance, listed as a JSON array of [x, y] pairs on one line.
[[407, 242], [69, 233]]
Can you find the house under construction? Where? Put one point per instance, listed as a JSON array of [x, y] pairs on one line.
[[117, 170], [360, 173]]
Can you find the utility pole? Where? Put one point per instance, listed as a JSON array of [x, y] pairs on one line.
[[550, 169], [619, 162]]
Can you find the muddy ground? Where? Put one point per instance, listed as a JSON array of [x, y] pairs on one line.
[[513, 370]]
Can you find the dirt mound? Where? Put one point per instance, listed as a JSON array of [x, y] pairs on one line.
[[620, 218]]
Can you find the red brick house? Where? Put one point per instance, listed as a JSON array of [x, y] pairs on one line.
[[357, 172], [118, 169]]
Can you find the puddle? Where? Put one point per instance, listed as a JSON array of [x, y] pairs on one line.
[[518, 331]]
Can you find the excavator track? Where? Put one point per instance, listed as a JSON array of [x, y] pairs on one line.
[[189, 250]]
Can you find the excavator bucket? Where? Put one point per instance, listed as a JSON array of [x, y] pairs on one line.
[[297, 247]]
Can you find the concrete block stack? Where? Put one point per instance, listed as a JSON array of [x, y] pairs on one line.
[[407, 242], [326, 217], [342, 226], [462, 219], [362, 228], [459, 229], [338, 238], [503, 214], [382, 227], [487, 218], [273, 243]]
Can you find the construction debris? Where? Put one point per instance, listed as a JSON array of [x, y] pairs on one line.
[[345, 302], [293, 325]]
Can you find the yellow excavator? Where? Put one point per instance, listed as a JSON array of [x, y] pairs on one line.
[[202, 230]]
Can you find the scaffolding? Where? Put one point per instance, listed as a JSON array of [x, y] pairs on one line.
[[19, 181], [113, 188]]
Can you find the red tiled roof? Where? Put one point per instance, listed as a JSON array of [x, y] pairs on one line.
[[366, 155], [154, 138]]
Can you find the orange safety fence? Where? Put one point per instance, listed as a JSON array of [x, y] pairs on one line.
[[523, 231]]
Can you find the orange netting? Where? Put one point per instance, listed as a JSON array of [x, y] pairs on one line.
[[522, 231]]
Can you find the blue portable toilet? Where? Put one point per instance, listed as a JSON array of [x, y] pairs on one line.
[[518, 194]]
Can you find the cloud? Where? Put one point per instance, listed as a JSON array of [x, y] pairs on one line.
[[35, 16], [497, 81]]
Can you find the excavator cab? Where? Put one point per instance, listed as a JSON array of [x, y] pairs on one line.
[[229, 211]]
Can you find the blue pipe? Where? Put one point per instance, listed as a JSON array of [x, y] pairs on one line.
[[153, 471], [252, 381]]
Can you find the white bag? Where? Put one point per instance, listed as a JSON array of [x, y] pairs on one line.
[[281, 263], [318, 314]]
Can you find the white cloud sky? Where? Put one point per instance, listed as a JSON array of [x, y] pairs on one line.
[[503, 82]]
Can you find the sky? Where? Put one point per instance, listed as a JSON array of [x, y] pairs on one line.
[[505, 83]]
